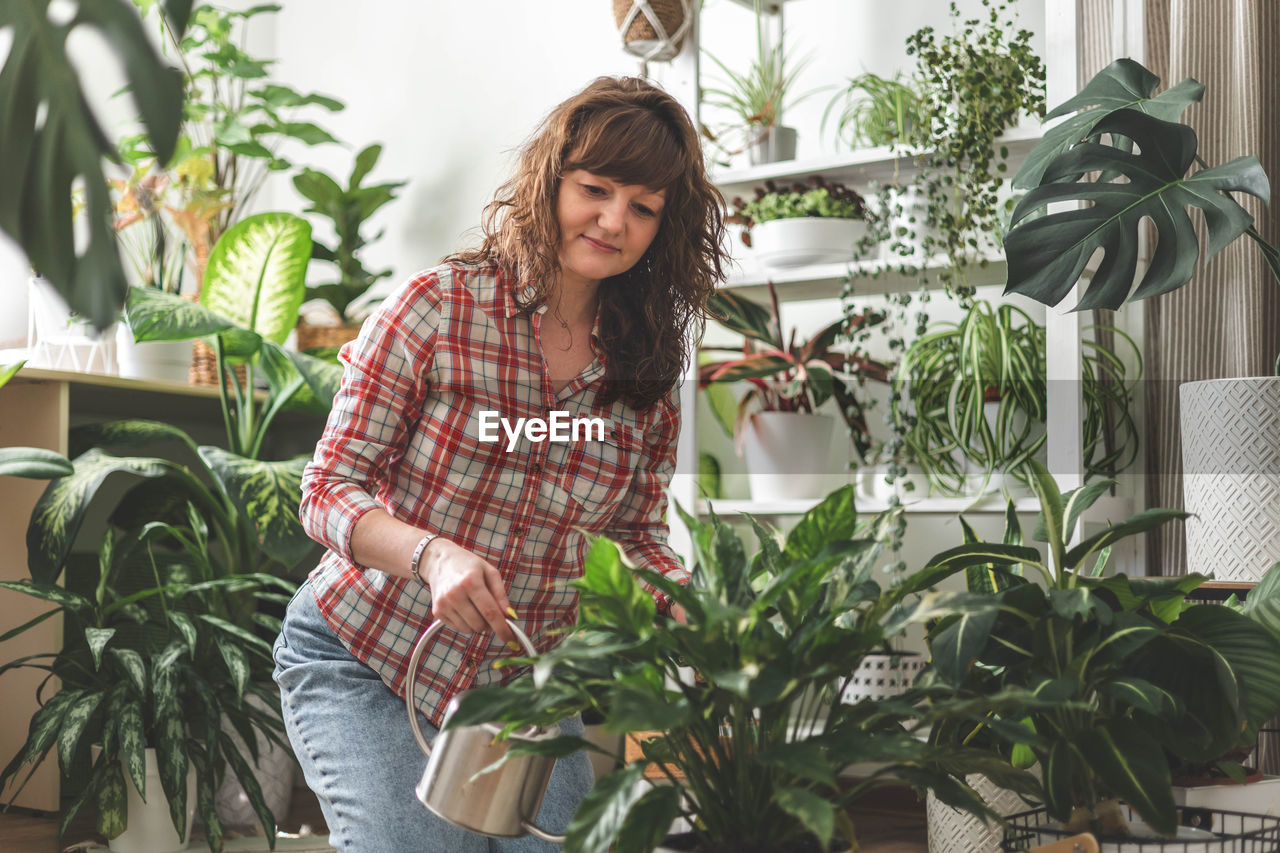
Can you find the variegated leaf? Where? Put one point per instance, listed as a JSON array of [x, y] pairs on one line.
[[133, 666], [256, 273], [97, 638], [73, 726], [112, 804], [268, 493]]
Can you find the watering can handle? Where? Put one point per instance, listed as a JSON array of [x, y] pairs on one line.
[[411, 678], [410, 689]]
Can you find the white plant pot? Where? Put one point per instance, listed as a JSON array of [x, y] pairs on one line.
[[1260, 798], [787, 455], [59, 340], [882, 676], [274, 773], [1231, 476], [150, 829], [955, 831], [772, 145], [167, 361], [806, 240]]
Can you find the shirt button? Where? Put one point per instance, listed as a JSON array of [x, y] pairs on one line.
[[536, 468]]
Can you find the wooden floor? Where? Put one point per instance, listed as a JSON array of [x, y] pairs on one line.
[[885, 825]]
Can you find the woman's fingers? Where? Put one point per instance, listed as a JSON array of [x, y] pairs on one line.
[[467, 593]]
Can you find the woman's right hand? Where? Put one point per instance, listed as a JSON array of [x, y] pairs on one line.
[[466, 591]]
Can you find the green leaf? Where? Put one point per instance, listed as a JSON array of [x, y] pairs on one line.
[[97, 638], [649, 820], [134, 667], [237, 664], [1131, 763], [602, 814], [34, 463], [73, 726], [1046, 255], [8, 371], [50, 141], [112, 803], [154, 315], [1142, 522], [802, 759], [956, 647], [834, 519], [610, 591], [42, 732], [256, 274], [739, 314], [267, 495], [1262, 604], [815, 812], [53, 594], [133, 743], [60, 512], [1124, 84], [1140, 694]]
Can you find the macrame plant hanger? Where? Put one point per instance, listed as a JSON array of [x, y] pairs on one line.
[[665, 45]]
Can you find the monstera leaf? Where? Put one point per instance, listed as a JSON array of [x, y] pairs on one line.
[[1047, 254], [50, 139], [1122, 85]]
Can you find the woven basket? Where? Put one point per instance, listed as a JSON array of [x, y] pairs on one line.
[[204, 366], [316, 337], [640, 36]]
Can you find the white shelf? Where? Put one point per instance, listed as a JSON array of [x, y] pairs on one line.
[[923, 506], [855, 167], [826, 281]]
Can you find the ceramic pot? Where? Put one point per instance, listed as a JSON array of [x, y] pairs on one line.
[[882, 676], [149, 827], [955, 831], [1231, 475], [806, 240], [167, 361], [788, 454], [772, 145], [273, 772]]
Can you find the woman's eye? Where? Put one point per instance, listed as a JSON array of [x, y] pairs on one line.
[[644, 211], [592, 189]]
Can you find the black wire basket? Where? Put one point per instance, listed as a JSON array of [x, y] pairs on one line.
[[1231, 832]]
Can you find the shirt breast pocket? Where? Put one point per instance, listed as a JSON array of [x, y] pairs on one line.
[[600, 473]]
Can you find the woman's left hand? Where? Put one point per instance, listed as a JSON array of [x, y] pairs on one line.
[[678, 614]]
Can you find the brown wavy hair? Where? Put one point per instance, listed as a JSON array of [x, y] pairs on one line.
[[630, 131]]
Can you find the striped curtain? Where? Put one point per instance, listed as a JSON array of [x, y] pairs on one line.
[[1226, 322]]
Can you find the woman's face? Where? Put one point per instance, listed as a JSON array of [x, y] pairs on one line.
[[605, 226]]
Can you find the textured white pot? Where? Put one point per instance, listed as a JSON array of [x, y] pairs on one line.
[[1231, 475], [150, 829], [164, 360], [882, 676], [955, 831], [274, 773], [788, 454], [806, 240]]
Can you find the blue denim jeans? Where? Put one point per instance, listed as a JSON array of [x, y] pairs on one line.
[[352, 738]]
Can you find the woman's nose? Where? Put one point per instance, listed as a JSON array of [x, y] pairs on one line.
[[611, 216]]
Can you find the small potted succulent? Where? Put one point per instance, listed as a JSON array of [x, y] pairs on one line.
[[813, 222], [777, 424]]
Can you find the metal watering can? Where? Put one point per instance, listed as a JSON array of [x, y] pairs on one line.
[[501, 803]]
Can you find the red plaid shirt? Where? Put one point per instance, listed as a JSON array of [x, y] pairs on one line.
[[404, 434]]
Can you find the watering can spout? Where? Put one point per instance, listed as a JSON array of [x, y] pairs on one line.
[[459, 784]]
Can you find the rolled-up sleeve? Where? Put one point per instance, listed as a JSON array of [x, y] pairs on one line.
[[639, 525], [384, 381]]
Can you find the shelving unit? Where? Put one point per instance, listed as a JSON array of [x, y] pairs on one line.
[[882, 165]]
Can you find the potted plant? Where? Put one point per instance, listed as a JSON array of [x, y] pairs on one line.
[[154, 665], [1223, 421], [163, 223], [1137, 669], [875, 110], [751, 746], [348, 209], [813, 222], [971, 400], [653, 29], [975, 83], [787, 441], [758, 99]]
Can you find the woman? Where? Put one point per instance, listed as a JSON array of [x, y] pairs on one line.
[[493, 412]]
